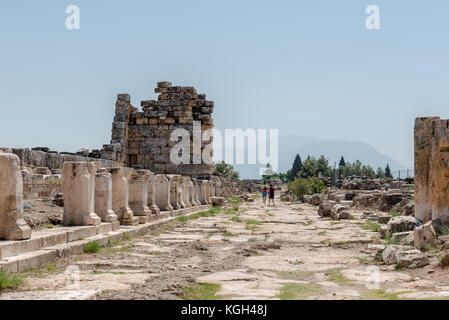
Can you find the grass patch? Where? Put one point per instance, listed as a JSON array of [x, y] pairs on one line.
[[295, 275], [154, 253], [236, 219], [322, 233], [336, 276], [9, 280], [92, 247], [394, 213], [127, 236], [371, 226], [211, 212], [380, 294], [299, 291], [228, 234], [202, 291], [252, 240]]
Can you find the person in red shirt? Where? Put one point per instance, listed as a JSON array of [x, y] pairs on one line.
[[264, 193]]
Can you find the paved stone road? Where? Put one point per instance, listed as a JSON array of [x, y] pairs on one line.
[[259, 252]]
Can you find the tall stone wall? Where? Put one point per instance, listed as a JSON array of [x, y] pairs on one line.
[[432, 169], [142, 138]]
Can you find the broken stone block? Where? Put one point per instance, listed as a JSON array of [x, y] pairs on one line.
[[120, 196], [314, 199], [325, 209], [404, 257], [12, 225], [444, 260], [383, 231], [162, 188], [425, 236], [399, 236], [138, 194], [78, 185], [336, 212], [103, 197], [401, 224], [218, 201]]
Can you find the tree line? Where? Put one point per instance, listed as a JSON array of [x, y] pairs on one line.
[[314, 167]]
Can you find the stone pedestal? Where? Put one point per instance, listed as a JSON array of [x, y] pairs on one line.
[[103, 197], [174, 185], [197, 192], [202, 192], [120, 196], [207, 187], [138, 193], [151, 196], [162, 193], [12, 225], [186, 191], [78, 187]]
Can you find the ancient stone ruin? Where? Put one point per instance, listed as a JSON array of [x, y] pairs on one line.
[[432, 169], [131, 182]]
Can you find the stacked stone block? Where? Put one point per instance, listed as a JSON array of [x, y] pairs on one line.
[[143, 137]]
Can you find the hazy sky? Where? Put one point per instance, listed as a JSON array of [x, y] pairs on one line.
[[304, 67]]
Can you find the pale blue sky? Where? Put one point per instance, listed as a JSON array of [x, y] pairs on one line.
[[305, 67]]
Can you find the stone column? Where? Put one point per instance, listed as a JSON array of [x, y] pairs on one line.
[[12, 225], [138, 193], [439, 170], [120, 196], [423, 165], [162, 191], [174, 185], [78, 187], [103, 197], [202, 192], [186, 191], [152, 194]]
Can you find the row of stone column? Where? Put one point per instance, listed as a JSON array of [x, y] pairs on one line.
[[131, 196]]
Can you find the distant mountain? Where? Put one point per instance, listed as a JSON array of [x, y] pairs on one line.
[[289, 146]]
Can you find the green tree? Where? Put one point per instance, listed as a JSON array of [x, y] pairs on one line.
[[296, 167], [322, 165], [226, 169], [309, 168], [342, 162], [388, 172], [302, 186], [380, 173]]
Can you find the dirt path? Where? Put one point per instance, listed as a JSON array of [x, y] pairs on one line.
[[257, 252]]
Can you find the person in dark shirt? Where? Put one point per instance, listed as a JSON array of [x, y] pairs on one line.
[[271, 195]]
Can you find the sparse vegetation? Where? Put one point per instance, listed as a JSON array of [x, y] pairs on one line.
[[10, 280], [371, 226], [92, 247], [202, 291], [299, 291]]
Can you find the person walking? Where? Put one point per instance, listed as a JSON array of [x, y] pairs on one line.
[[271, 195], [264, 193]]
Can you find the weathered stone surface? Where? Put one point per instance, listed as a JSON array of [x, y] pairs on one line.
[[120, 196], [432, 169], [425, 236], [162, 190], [103, 197], [325, 209], [315, 199], [218, 201], [401, 224], [138, 193], [78, 185], [151, 197], [12, 225], [337, 212], [444, 260], [404, 257]]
